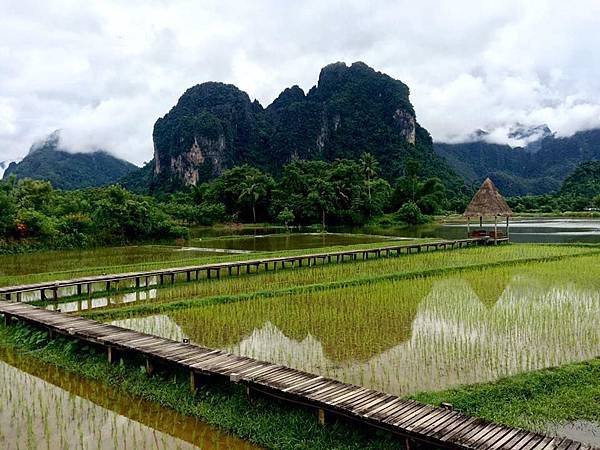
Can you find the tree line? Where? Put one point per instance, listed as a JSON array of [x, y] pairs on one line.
[[343, 192]]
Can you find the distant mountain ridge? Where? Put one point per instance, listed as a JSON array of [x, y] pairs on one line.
[[352, 110], [538, 168], [47, 160]]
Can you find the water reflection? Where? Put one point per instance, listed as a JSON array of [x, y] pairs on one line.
[[43, 407], [535, 230], [454, 335]]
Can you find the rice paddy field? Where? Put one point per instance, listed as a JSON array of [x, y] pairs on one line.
[[46, 408], [439, 326], [58, 265], [410, 335]]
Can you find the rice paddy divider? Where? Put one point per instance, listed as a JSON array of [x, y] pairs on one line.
[[442, 427], [145, 309], [231, 267]]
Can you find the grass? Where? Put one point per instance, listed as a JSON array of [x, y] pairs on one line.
[[404, 335], [330, 276], [14, 268], [263, 422], [532, 400]]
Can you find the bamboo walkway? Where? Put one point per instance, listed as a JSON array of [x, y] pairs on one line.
[[439, 427], [215, 270]]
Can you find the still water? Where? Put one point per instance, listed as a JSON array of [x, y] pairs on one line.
[[546, 230], [45, 408], [413, 335]]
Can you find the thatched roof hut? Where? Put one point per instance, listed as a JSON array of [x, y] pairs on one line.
[[488, 202]]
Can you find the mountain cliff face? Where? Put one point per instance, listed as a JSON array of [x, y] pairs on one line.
[[538, 168], [352, 110], [46, 160]]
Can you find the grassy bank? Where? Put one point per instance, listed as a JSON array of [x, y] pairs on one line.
[[531, 400], [262, 421]]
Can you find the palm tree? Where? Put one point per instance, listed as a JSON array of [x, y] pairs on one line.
[[254, 190], [369, 166]]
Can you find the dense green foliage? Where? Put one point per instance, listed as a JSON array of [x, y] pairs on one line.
[[34, 214], [65, 170], [261, 421], [537, 169], [308, 192], [352, 110], [580, 191], [583, 182]]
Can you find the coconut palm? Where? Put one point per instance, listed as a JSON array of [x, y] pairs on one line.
[[369, 167], [252, 189]]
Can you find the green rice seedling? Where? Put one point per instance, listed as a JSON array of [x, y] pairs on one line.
[[409, 335], [321, 277], [53, 265]]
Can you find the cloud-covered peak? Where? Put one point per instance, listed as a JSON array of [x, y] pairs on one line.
[[104, 71]]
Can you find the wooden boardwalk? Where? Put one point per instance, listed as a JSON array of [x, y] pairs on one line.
[[439, 427], [215, 270]]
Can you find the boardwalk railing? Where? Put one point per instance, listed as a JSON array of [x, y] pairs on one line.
[[440, 427], [230, 268]]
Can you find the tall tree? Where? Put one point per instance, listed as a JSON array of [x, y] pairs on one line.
[[253, 189], [369, 166]]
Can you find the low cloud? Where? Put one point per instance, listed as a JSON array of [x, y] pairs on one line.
[[104, 71]]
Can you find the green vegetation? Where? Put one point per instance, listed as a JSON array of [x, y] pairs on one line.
[[385, 333], [332, 276], [65, 170], [353, 110], [35, 216], [55, 265], [534, 400], [537, 169], [263, 422]]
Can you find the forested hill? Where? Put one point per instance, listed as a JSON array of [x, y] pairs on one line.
[[539, 168], [48, 161], [352, 110], [583, 182]]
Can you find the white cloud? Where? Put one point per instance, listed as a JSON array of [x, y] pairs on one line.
[[104, 71]]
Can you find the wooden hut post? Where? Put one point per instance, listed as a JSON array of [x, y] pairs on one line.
[[495, 229], [480, 221], [468, 226], [507, 228]]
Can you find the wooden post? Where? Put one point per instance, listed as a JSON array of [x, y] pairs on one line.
[[507, 229], [468, 226], [480, 221], [149, 367], [495, 229], [137, 282], [42, 294], [172, 278], [55, 294], [193, 382], [321, 415], [112, 354], [7, 319], [188, 276], [79, 289], [108, 286]]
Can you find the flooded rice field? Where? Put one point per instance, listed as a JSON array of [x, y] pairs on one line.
[[45, 408], [411, 335]]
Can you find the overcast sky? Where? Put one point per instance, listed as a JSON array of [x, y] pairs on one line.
[[104, 71]]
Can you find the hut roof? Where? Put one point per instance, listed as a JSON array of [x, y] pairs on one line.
[[488, 202]]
